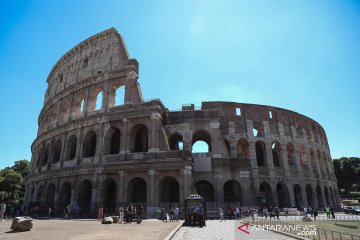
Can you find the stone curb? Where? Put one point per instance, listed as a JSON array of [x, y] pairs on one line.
[[172, 233]]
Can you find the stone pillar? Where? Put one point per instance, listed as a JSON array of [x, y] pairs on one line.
[[151, 199], [63, 150], [154, 132], [78, 145], [124, 144], [94, 196], [187, 176], [99, 144], [291, 195], [219, 190], [121, 194], [106, 94], [274, 193], [50, 154], [233, 144], [86, 102], [304, 196]]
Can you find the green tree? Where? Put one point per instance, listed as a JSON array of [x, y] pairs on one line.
[[22, 167], [10, 186], [339, 173], [349, 174]]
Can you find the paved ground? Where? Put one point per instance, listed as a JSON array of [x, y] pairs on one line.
[[89, 230], [216, 230]]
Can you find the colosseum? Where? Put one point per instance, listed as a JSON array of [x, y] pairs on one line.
[[100, 142]]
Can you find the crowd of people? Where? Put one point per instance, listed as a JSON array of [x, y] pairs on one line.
[[126, 215]]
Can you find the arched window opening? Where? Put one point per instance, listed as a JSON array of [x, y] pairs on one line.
[[39, 194], [89, 148], [71, 148], [57, 151], [65, 196], [258, 129], [40, 155], [243, 148], [266, 192], [112, 141], [82, 106], [302, 155], [319, 197], [141, 138], [290, 153], [65, 111], [46, 155], [313, 161], [109, 195], [169, 190], [137, 191], [232, 191], [84, 197], [85, 63], [120, 96], [206, 190], [176, 142], [283, 195], [309, 195], [298, 197], [275, 149], [99, 100], [260, 153], [327, 196], [201, 142], [50, 195]]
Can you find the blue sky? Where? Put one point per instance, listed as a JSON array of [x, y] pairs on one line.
[[299, 55]]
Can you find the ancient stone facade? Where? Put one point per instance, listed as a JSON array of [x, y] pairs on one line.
[[93, 149]]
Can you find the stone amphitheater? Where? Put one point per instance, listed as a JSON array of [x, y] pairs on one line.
[[100, 142]]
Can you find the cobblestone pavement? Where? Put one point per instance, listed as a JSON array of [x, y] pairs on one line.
[[89, 230], [216, 230]]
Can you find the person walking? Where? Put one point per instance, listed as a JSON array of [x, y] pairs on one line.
[[121, 215], [2, 211], [332, 212], [129, 213], [176, 212], [162, 214], [327, 210], [100, 213], [49, 212], [221, 213], [139, 210], [277, 213], [315, 214]]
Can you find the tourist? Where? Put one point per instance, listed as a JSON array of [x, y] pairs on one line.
[[327, 210], [310, 210], [200, 216], [49, 212], [129, 213], [139, 210], [176, 212], [100, 213], [171, 214], [162, 215], [332, 212], [2, 211], [277, 213], [305, 211], [237, 212], [121, 215], [315, 214], [67, 211]]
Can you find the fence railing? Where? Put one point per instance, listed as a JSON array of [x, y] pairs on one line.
[[306, 232], [321, 218]]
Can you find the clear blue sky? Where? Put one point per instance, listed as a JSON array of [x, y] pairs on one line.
[[298, 55]]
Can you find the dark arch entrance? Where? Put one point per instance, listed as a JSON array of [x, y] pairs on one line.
[[298, 197], [260, 153], [39, 194], [56, 151], [283, 195], [65, 197], [109, 195], [265, 190], [309, 195], [232, 191], [176, 142], [140, 135], [137, 191], [89, 148], [84, 197], [71, 148], [50, 195], [319, 196], [169, 191], [206, 190], [113, 141], [327, 199]]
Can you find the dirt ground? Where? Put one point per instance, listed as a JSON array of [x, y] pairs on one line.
[[88, 230]]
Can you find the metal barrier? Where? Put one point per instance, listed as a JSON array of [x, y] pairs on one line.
[[318, 234], [322, 218]]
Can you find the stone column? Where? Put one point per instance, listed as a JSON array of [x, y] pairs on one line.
[[63, 150], [106, 93], [99, 144], [304, 195], [187, 175], [291, 195], [86, 102], [154, 132], [233, 144], [50, 154], [151, 200], [121, 194], [124, 144], [219, 190], [78, 145]]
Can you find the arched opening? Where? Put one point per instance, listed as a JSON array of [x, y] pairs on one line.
[[84, 197], [40, 155], [32, 195], [243, 148], [298, 197], [201, 142], [319, 196], [89, 144], [260, 153], [169, 191], [332, 197], [309, 195], [82, 106], [46, 155], [120, 96], [327, 197], [39, 194], [109, 195], [283, 195], [290, 153], [313, 163], [50, 195], [56, 151], [99, 98], [71, 148], [206, 190], [140, 135], [65, 197], [232, 191], [112, 139], [137, 191], [266, 192], [176, 142], [65, 111], [275, 149], [302, 155]]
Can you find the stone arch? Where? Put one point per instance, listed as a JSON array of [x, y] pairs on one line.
[[202, 136], [298, 196], [84, 197], [332, 197], [50, 195], [290, 150], [319, 196], [39, 194], [260, 149], [112, 141], [40, 154], [176, 142], [232, 191], [46, 155], [302, 153], [71, 148], [78, 104], [65, 196], [56, 152], [276, 153], [137, 191], [108, 194], [265, 190], [283, 195], [169, 191], [89, 144], [309, 195], [117, 94], [326, 194], [65, 111], [140, 138], [243, 148], [206, 190], [95, 98]]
